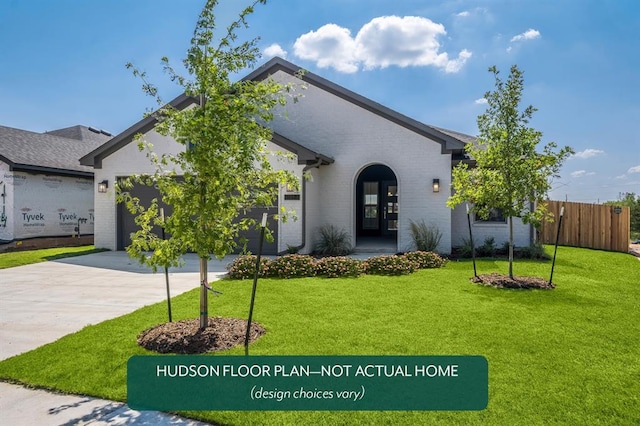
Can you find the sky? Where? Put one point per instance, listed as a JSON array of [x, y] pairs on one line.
[[62, 63]]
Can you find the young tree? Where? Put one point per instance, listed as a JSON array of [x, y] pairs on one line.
[[509, 173], [223, 168]]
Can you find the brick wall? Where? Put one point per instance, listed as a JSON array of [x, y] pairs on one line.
[[357, 138]]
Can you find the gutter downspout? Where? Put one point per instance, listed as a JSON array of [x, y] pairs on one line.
[[316, 165]]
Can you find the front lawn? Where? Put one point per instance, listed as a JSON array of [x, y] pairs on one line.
[[27, 257], [563, 356]]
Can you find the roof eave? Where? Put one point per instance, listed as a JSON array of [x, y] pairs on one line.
[[305, 155], [49, 170]]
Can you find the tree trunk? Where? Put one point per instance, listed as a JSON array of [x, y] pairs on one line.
[[511, 247], [204, 305]]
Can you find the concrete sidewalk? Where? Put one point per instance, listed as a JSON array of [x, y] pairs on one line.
[[42, 302]]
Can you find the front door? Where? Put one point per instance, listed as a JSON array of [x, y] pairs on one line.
[[390, 208], [377, 208]]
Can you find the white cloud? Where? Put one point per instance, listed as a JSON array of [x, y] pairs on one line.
[[634, 169], [621, 177], [530, 34], [330, 46], [581, 173], [380, 43], [455, 65], [275, 50], [481, 101], [587, 153], [463, 13]]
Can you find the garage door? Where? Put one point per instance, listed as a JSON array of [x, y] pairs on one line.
[[126, 223]]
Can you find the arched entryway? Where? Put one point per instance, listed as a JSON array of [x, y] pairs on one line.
[[377, 208]]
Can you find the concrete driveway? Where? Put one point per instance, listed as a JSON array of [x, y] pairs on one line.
[[42, 302]]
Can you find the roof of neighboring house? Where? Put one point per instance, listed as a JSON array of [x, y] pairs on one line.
[[451, 141], [82, 133], [49, 153]]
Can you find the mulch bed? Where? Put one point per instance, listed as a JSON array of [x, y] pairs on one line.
[[504, 281], [185, 337]]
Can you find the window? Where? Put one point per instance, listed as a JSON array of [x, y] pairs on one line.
[[370, 201], [495, 216]]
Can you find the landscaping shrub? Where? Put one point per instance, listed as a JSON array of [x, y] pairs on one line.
[[425, 259], [488, 249], [333, 241], [336, 267], [389, 265], [292, 266], [465, 250], [534, 251], [425, 238], [505, 248], [244, 267]]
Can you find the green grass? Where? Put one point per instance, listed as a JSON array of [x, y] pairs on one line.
[[565, 356], [27, 257]]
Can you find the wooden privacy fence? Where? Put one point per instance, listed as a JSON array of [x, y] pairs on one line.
[[596, 226]]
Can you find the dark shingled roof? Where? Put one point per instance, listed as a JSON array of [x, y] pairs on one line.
[[82, 133], [47, 153]]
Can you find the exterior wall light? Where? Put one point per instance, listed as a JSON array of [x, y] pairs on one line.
[[102, 186], [436, 185]]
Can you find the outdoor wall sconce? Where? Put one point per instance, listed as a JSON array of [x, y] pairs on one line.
[[436, 185], [102, 186]]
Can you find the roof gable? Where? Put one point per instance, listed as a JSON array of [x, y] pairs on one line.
[[451, 141]]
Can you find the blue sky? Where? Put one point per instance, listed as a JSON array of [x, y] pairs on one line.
[[63, 63]]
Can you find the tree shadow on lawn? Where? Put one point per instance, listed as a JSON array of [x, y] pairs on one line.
[[560, 296], [73, 254]]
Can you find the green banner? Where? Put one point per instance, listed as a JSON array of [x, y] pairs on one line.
[[170, 383]]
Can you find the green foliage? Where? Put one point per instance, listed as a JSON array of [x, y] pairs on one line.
[[487, 249], [389, 265], [292, 249], [465, 251], [222, 161], [534, 251], [425, 259], [510, 173], [340, 266], [425, 238], [333, 241], [292, 266], [245, 266]]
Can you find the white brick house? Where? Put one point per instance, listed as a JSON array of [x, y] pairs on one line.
[[372, 171]]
